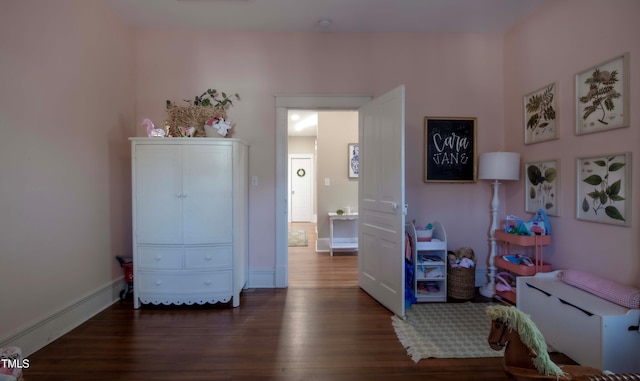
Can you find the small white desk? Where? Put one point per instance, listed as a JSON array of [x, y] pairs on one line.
[[350, 243]]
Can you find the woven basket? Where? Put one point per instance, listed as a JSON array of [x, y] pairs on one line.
[[192, 116], [461, 282]]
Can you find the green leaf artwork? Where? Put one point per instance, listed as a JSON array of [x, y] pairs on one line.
[[542, 187], [601, 94], [602, 187], [540, 109], [540, 115]]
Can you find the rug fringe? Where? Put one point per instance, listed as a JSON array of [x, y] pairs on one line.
[[397, 324]]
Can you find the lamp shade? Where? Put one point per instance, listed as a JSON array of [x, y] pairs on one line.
[[499, 166]]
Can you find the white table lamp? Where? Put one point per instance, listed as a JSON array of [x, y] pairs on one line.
[[496, 166]]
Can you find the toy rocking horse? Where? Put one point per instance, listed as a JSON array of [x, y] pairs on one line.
[[525, 350]]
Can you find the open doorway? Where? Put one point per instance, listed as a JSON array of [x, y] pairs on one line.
[[284, 103], [381, 128], [319, 182]]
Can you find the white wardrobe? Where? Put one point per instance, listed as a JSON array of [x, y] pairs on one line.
[[190, 220]]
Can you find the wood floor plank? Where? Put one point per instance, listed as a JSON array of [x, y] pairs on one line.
[[275, 334], [323, 327]]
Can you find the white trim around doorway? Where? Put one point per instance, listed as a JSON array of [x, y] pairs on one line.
[[284, 103]]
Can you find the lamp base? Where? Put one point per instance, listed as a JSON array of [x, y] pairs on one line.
[[488, 290]]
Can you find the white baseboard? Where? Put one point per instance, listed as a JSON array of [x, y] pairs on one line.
[[261, 279], [482, 277], [37, 335], [322, 245], [281, 276]]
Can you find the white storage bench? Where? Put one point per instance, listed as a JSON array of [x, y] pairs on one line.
[[590, 330]]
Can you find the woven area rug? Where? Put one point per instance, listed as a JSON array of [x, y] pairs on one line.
[[445, 330], [298, 238]]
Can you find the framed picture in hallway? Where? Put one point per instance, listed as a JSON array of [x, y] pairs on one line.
[[353, 160], [450, 149], [602, 96]]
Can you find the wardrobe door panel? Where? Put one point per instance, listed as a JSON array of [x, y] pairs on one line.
[[158, 194], [208, 188]]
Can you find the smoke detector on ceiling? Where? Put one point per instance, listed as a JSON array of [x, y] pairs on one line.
[[213, 1], [325, 23]]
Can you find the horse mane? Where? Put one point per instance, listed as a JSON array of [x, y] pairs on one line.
[[529, 335]]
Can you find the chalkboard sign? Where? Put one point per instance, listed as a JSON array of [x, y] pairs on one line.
[[449, 149]]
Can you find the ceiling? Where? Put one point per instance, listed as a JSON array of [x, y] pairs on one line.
[[327, 16], [356, 16]]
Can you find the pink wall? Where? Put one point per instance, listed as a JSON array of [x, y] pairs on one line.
[[66, 109], [560, 40], [76, 81], [445, 75]]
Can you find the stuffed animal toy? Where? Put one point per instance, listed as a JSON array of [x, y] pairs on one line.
[[220, 125], [151, 130], [465, 252], [466, 263], [539, 224], [462, 257], [187, 132]]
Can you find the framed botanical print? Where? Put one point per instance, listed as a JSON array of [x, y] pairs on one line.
[[542, 184], [602, 96], [604, 189], [540, 115]]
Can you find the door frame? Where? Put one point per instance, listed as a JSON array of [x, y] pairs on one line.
[[312, 190], [284, 103]]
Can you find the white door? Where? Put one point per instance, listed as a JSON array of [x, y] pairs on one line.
[[300, 174], [381, 200]]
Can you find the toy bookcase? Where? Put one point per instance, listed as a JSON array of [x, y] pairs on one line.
[[430, 264]]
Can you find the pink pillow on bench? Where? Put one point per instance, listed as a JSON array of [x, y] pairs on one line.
[[612, 291]]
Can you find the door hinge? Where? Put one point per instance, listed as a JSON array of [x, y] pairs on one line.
[[406, 209]]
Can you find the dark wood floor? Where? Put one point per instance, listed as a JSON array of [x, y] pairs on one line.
[[330, 331]]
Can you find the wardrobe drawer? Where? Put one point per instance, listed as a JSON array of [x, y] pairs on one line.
[[210, 257], [185, 282], [160, 258]]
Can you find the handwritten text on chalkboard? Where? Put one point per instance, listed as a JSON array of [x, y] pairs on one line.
[[450, 149]]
